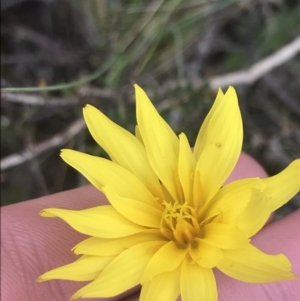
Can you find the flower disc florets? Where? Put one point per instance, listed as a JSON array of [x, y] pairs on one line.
[[180, 223]]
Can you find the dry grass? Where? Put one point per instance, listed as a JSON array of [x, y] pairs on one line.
[[92, 52]]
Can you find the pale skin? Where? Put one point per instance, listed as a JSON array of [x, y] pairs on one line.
[[32, 245]]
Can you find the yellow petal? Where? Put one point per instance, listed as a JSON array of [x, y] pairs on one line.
[[224, 236], [166, 259], [161, 143], [167, 196], [122, 147], [136, 211], [101, 221], [205, 254], [123, 273], [198, 192], [255, 215], [232, 199], [197, 283], [83, 269], [101, 172], [165, 286], [274, 193], [108, 247], [283, 186], [249, 264], [222, 145], [186, 168], [201, 138], [138, 134]]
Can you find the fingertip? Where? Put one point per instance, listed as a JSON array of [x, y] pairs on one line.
[[246, 167]]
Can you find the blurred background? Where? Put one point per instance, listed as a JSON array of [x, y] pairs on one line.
[[65, 54]]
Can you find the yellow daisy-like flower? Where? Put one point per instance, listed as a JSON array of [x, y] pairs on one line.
[[171, 220]]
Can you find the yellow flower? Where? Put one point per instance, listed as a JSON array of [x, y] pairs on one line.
[[171, 220]]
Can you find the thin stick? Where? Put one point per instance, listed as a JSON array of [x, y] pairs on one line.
[[38, 100], [35, 150], [245, 77], [259, 69]]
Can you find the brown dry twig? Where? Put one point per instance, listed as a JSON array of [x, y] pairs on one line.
[[35, 150], [259, 69], [242, 77], [38, 100]]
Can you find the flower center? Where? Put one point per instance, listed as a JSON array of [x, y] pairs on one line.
[[179, 223]]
